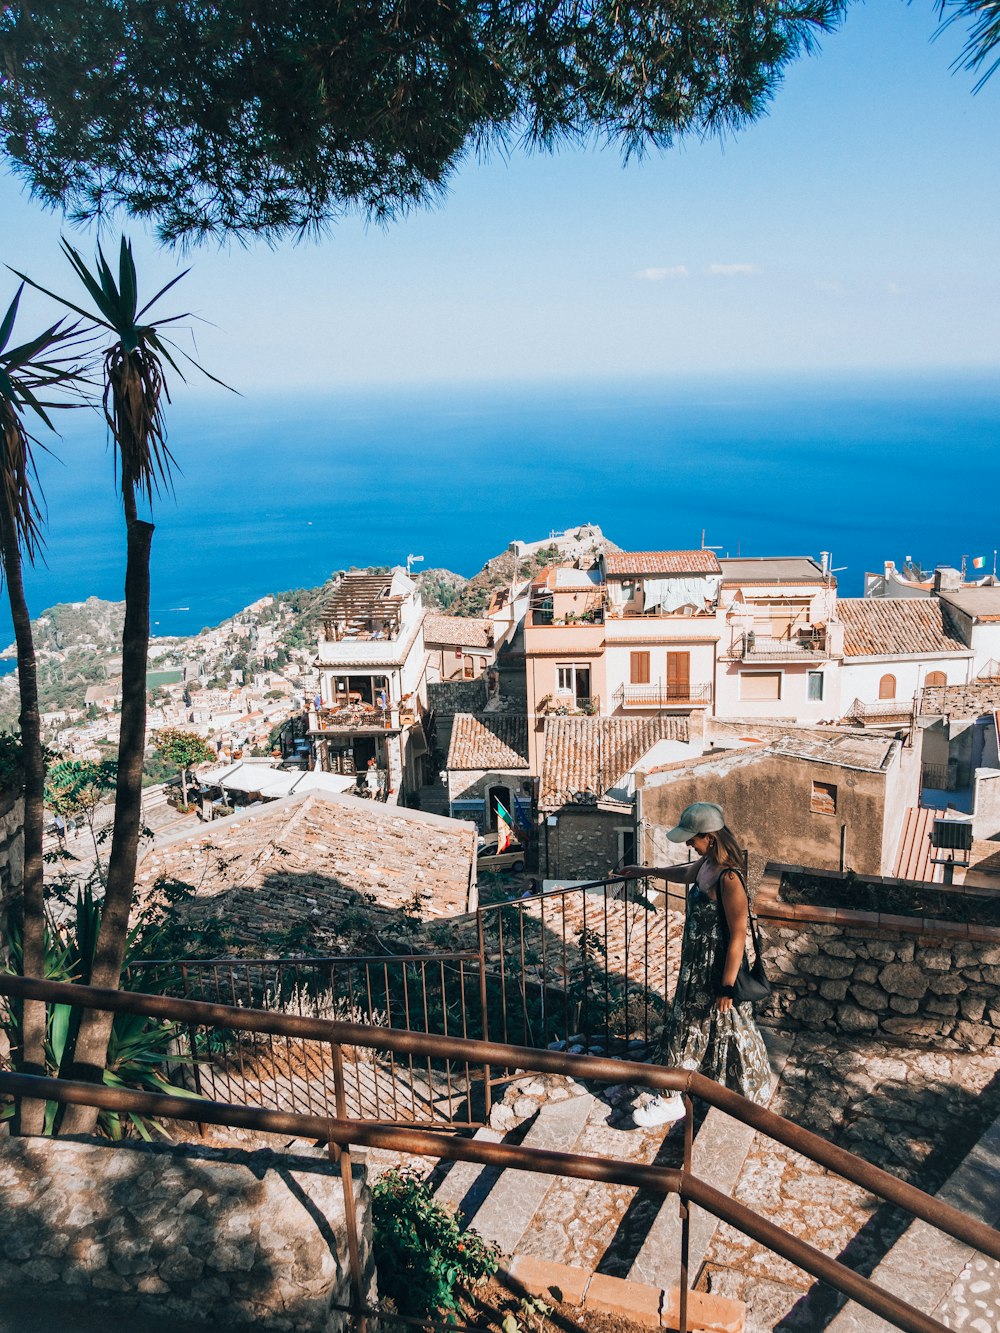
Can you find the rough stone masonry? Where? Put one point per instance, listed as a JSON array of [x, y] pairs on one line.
[[221, 1237]]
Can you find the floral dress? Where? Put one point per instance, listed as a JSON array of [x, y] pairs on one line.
[[726, 1047]]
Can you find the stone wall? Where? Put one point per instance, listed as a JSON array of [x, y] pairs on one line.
[[583, 843], [913, 980], [225, 1238], [448, 697], [11, 853]]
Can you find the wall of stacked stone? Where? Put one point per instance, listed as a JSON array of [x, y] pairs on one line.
[[11, 852], [916, 981], [220, 1237]]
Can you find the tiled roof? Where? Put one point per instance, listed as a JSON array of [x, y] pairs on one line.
[[595, 753], [896, 627], [661, 562], [488, 741], [461, 631], [306, 860]]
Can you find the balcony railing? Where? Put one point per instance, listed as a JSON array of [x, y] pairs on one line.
[[352, 717], [662, 696], [802, 646]]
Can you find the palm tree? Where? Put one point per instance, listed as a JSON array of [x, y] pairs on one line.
[[135, 391], [27, 373]]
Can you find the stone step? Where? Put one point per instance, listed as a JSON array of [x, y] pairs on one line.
[[507, 1211], [720, 1149], [466, 1184], [944, 1278]]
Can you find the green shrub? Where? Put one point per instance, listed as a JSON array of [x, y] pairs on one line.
[[423, 1255]]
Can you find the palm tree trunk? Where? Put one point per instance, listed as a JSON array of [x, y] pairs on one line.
[[32, 904], [95, 1026]]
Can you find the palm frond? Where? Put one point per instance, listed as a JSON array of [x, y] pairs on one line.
[[982, 44]]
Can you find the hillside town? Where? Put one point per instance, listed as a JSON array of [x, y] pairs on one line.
[[411, 818]]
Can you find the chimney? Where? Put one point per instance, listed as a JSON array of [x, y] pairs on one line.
[[946, 579]]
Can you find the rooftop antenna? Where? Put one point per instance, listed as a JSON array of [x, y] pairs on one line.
[[412, 560], [708, 548]]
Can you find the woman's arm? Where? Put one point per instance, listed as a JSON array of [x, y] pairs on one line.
[[681, 874], [733, 897]]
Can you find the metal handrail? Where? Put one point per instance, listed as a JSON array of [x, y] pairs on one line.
[[344, 1132]]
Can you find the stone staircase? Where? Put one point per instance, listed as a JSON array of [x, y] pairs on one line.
[[601, 1244]]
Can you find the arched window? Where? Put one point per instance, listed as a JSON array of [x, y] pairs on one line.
[[887, 687], [936, 678]]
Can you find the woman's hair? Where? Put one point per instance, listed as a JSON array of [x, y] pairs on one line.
[[727, 851]]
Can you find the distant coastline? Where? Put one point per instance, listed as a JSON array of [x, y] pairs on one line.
[[274, 495]]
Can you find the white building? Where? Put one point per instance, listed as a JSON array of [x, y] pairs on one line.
[[368, 716], [893, 648], [975, 613]]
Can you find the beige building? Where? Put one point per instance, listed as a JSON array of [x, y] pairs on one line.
[[834, 800], [458, 647]]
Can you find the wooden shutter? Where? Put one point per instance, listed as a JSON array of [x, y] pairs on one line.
[[887, 687], [936, 678], [678, 675], [639, 668]]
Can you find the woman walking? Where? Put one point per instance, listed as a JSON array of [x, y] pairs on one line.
[[706, 1030]]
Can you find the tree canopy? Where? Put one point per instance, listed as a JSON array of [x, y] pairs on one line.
[[243, 119]]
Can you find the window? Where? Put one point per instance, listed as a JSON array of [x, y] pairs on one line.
[[824, 799], [573, 678], [639, 668], [814, 685], [626, 846], [887, 687], [936, 678], [760, 685]]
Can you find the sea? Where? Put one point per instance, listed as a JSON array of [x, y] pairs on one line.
[[273, 492]]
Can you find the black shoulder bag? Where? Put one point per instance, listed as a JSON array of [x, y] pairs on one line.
[[751, 982]]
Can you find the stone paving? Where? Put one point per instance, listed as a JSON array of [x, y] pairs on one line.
[[915, 1113]]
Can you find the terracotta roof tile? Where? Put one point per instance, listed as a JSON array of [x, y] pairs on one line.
[[307, 859], [661, 562], [896, 627], [595, 753], [488, 741], [461, 631]]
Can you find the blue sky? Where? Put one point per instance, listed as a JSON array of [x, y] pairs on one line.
[[855, 227]]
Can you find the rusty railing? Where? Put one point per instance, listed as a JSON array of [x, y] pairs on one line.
[[342, 1131], [439, 994], [585, 966]]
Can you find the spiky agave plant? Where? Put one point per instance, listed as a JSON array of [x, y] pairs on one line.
[[135, 391], [29, 371]]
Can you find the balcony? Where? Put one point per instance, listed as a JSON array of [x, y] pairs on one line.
[[663, 696], [804, 645], [356, 718], [568, 705]]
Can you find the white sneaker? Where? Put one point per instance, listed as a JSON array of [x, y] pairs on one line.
[[660, 1111]]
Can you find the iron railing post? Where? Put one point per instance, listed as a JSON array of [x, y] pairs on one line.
[[341, 1154], [484, 1005], [685, 1210]]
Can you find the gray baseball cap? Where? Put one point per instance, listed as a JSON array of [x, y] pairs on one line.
[[702, 817]]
